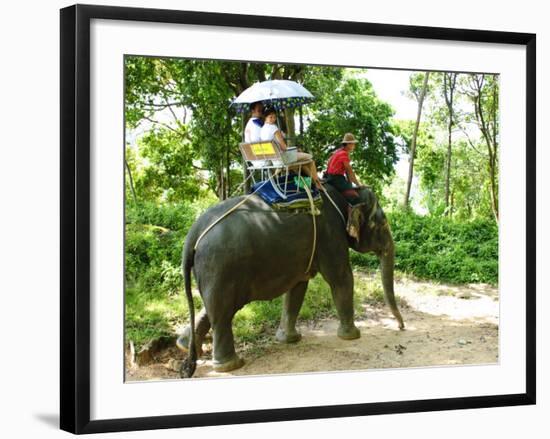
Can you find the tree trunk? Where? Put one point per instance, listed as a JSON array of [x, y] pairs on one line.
[[448, 165], [414, 137], [221, 183], [452, 204], [494, 195], [489, 135], [449, 84], [289, 123], [247, 181], [228, 173], [131, 180], [247, 185], [494, 190]]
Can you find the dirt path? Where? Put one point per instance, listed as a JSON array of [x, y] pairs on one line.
[[445, 325]]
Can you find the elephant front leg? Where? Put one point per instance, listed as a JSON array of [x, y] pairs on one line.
[[344, 306], [292, 302], [341, 284], [225, 357]]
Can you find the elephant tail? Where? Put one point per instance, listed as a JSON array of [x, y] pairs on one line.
[[190, 363]]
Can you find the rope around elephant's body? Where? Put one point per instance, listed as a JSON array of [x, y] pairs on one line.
[[336, 207], [227, 213], [312, 206]]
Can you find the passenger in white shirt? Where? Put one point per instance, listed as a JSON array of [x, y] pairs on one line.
[[270, 131], [254, 124]]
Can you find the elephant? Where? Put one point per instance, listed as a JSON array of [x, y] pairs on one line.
[[259, 253]]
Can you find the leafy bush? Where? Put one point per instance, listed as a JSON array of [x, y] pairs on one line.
[[441, 249], [155, 301]]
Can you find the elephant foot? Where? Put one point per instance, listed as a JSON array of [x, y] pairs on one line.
[[283, 336], [226, 366], [183, 344], [348, 332]]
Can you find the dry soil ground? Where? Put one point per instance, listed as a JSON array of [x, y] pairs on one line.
[[445, 325]]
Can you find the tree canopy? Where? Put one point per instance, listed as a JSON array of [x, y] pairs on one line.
[[188, 136], [186, 104]]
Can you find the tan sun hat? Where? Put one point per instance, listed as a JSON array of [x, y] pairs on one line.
[[349, 138]]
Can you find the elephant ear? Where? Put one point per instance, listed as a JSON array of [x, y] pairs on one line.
[[355, 221]]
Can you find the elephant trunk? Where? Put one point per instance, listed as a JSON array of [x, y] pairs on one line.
[[387, 262]]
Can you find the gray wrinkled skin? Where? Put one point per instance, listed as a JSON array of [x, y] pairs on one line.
[[257, 253]]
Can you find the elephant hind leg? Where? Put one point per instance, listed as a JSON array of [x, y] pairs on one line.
[[225, 357], [292, 302], [202, 326]]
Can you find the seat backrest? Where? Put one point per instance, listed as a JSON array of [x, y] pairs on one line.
[[260, 151]]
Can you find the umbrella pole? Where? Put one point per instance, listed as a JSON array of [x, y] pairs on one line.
[[246, 172]]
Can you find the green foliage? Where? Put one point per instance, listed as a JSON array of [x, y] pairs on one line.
[[416, 85], [442, 249], [470, 196], [151, 314], [204, 89], [392, 195], [162, 167], [187, 150], [352, 106], [404, 130], [145, 79], [155, 301], [474, 145]]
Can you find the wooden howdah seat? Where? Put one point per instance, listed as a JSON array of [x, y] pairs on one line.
[[267, 159]]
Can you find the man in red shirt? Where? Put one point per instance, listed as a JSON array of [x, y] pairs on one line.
[[339, 172]]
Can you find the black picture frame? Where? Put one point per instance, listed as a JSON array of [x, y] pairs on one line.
[[75, 217]]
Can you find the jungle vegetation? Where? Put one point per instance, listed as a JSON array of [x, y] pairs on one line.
[[182, 156]]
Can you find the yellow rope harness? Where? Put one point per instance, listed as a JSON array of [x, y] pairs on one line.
[[227, 213], [312, 205], [336, 207]]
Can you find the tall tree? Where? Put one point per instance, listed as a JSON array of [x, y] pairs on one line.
[[420, 94], [474, 165], [483, 91], [449, 87]]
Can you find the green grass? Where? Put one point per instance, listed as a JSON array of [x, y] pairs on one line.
[[152, 313]]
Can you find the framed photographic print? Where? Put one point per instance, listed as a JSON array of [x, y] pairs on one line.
[[274, 218]]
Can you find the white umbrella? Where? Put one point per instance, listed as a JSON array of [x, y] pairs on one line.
[[280, 93]]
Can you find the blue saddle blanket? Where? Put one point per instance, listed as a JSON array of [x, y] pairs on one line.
[[293, 194]]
